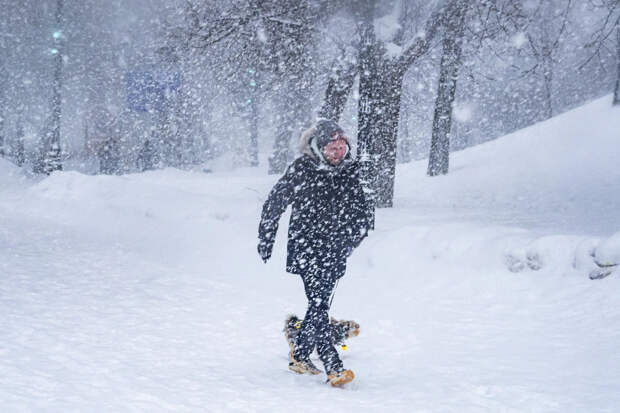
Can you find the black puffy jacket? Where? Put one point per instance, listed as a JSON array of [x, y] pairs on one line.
[[330, 215]]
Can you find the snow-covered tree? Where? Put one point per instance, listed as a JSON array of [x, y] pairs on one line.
[[384, 59]]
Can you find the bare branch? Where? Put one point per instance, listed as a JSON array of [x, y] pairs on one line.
[[422, 43], [602, 34]]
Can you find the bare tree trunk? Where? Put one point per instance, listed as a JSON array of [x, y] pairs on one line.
[[253, 80], [53, 157], [378, 114], [249, 101], [4, 85], [164, 138], [2, 113], [617, 89], [253, 144], [388, 105], [281, 146], [299, 78], [451, 59], [288, 113], [295, 116], [379, 106], [548, 83], [404, 147], [338, 90], [19, 156], [369, 90], [279, 157], [380, 89]]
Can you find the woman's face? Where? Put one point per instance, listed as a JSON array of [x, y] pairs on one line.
[[335, 151]]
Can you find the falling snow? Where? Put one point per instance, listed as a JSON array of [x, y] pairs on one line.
[[139, 142]]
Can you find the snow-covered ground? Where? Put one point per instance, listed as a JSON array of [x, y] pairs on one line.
[[145, 292]]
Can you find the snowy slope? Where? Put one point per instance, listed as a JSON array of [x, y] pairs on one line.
[[145, 293], [562, 174]]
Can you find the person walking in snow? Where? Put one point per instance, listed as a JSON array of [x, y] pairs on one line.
[[330, 218]]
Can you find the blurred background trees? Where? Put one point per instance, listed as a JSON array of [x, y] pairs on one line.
[[126, 87]]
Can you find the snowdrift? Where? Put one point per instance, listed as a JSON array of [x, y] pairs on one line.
[[559, 179]]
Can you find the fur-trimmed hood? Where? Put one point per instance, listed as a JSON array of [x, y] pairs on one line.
[[308, 146], [304, 142]]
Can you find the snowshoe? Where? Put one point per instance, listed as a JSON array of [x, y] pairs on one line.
[[292, 324], [343, 330], [303, 367], [340, 378]]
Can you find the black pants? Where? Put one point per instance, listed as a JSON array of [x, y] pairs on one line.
[[315, 330]]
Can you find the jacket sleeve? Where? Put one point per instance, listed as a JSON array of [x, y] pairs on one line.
[[279, 198], [362, 215]]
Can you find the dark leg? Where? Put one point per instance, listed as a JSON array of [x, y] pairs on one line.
[[315, 329]]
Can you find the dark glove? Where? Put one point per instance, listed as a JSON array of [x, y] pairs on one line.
[[264, 250], [355, 242], [348, 251]]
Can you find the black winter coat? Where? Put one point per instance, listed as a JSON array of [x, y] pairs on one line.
[[330, 215]]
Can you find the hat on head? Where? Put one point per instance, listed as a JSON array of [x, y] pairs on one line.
[[326, 131], [319, 136]]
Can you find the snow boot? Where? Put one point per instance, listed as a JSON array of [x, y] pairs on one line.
[[340, 377], [303, 367]]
